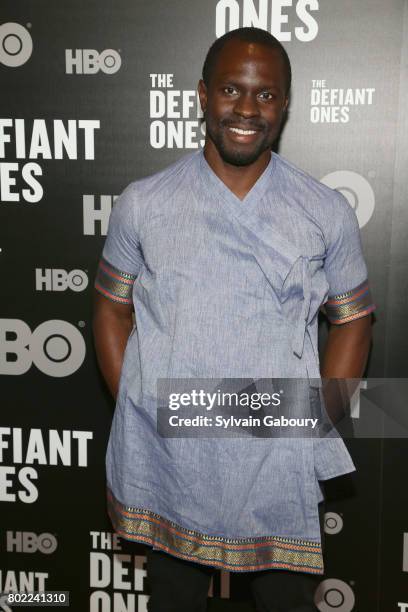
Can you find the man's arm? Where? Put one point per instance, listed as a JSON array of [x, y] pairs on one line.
[[112, 324], [346, 350], [343, 364]]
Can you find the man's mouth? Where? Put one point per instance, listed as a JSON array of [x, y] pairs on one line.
[[242, 132], [243, 135]]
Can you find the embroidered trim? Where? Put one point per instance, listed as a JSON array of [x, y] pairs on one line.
[[114, 284], [236, 555], [350, 305]]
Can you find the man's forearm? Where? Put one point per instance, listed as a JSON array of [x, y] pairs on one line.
[[111, 331]]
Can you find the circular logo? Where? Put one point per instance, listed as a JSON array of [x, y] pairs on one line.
[[77, 280], [47, 543], [58, 348], [109, 61], [333, 523], [334, 595], [357, 191], [16, 44]]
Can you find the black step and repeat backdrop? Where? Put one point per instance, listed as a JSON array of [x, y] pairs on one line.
[[95, 94]]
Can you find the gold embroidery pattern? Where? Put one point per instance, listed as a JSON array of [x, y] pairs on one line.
[[114, 284], [237, 555], [350, 305]]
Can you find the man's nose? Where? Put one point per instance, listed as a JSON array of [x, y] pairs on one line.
[[246, 106]]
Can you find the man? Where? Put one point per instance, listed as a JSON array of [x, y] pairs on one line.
[[227, 257]]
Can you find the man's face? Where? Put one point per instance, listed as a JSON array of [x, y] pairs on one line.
[[245, 101]]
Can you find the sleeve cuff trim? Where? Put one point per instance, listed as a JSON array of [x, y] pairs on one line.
[[124, 277], [114, 284], [350, 305]]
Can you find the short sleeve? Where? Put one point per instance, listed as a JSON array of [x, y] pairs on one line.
[[121, 258], [345, 268]]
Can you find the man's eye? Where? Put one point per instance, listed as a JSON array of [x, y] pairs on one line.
[[267, 95], [230, 90]]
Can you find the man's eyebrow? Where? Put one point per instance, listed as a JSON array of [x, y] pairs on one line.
[[270, 86], [223, 80]]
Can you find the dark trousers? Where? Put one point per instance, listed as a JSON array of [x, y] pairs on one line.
[[182, 586]]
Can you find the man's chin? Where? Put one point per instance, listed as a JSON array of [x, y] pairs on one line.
[[239, 158]]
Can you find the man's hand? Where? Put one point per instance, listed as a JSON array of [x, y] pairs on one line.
[[112, 324]]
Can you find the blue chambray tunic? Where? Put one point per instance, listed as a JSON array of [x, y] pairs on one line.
[[226, 288]]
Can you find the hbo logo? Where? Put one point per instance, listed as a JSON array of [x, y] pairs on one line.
[[60, 280], [357, 191], [16, 44], [56, 347], [29, 542], [89, 61], [334, 595], [333, 523]]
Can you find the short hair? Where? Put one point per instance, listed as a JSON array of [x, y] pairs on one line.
[[252, 35]]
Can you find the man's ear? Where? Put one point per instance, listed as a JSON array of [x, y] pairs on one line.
[[202, 94]]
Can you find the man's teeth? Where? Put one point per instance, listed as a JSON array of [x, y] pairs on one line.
[[243, 132]]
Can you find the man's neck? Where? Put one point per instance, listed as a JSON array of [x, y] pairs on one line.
[[239, 179]]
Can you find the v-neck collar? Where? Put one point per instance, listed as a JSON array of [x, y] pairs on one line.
[[254, 194]]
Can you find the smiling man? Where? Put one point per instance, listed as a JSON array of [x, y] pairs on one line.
[[244, 100], [227, 257]]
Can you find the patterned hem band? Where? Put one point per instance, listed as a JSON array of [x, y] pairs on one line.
[[351, 305], [238, 555], [114, 284]]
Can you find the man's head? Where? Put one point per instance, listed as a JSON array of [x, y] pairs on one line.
[[244, 94]]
